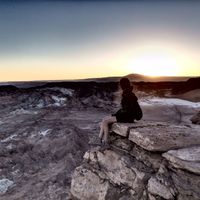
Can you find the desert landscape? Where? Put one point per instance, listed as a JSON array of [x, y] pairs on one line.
[[46, 127], [67, 64]]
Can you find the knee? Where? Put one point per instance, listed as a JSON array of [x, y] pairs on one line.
[[105, 122]]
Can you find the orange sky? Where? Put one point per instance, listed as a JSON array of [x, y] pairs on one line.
[[67, 40]]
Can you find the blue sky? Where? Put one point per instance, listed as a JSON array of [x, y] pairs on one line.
[[77, 39]]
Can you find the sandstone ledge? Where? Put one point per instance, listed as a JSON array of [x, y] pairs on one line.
[[155, 136], [146, 161]]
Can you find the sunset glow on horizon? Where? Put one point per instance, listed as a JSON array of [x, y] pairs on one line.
[[58, 40]]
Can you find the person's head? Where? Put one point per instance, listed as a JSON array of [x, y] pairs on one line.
[[125, 83]]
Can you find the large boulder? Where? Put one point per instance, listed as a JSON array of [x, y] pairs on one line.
[[158, 136]]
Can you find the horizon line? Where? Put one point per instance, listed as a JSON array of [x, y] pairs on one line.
[[80, 79]]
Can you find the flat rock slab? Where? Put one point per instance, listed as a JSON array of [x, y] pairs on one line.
[[187, 158], [164, 137], [123, 129]]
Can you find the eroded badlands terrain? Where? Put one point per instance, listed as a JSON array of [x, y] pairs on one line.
[[44, 133]]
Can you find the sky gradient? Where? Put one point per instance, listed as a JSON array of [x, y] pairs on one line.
[[52, 40]]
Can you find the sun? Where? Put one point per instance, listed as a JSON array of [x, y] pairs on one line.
[[154, 64]]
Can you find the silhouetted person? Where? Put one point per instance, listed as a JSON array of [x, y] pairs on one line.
[[129, 111]]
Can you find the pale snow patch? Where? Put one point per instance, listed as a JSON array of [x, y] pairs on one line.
[[65, 91], [88, 127], [170, 101], [9, 138], [22, 111], [44, 133], [4, 185], [10, 146], [33, 135], [40, 104], [16, 172], [59, 101]]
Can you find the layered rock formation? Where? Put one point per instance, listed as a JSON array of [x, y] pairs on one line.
[[146, 161], [67, 94]]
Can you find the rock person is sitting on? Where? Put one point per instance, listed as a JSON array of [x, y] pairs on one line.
[[130, 110]]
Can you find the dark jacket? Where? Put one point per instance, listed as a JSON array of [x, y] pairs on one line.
[[130, 109]]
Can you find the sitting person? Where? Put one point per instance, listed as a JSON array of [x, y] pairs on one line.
[[129, 111]]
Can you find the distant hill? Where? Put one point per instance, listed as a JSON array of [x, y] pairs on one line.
[[132, 77], [139, 78]]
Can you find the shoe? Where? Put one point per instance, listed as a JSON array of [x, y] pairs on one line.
[[105, 146]]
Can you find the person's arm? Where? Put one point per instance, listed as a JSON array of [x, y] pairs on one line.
[[126, 104], [117, 113]]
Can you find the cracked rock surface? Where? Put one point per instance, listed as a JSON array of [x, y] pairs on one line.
[[157, 163]]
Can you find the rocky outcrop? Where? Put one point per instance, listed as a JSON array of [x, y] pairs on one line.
[[146, 161], [58, 94], [196, 118]]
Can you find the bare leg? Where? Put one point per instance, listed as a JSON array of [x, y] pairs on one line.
[[101, 131], [105, 126]]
